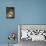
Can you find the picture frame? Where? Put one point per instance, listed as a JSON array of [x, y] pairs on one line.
[[10, 12]]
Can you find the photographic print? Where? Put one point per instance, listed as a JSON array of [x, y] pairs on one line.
[[28, 34], [33, 32], [10, 12]]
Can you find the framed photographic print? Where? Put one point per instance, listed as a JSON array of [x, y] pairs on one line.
[[10, 12], [33, 32]]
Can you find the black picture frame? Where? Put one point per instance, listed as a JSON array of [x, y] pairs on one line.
[[10, 12]]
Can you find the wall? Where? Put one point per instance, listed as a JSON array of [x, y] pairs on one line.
[[27, 12]]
